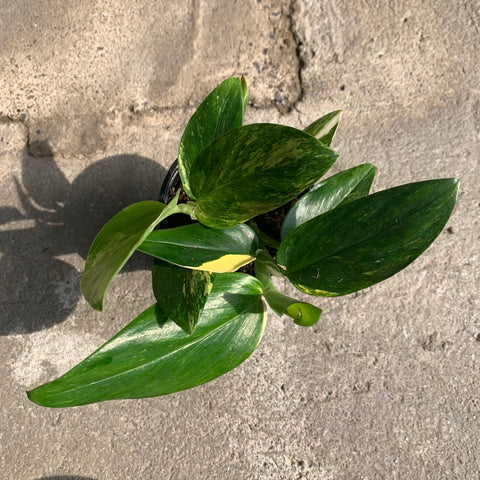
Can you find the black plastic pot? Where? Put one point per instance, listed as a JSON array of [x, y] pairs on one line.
[[171, 184]]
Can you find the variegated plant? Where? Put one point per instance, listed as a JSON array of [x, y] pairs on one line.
[[335, 240]]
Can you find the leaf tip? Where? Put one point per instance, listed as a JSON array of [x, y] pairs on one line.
[[35, 398], [97, 303], [244, 82], [304, 314]]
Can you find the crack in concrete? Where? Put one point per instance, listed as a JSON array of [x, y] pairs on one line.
[[298, 53], [141, 111], [21, 120]]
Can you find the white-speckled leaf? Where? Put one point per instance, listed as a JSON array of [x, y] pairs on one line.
[[338, 189], [221, 111], [181, 293], [325, 127], [368, 240], [153, 356], [254, 169]]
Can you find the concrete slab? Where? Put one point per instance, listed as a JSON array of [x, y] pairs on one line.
[[386, 385], [66, 66]]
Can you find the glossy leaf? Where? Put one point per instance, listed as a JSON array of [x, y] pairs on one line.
[[368, 240], [201, 248], [115, 244], [325, 127], [254, 169], [152, 356], [181, 293], [302, 313], [340, 188], [221, 111]]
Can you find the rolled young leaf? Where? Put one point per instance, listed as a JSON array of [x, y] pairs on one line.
[[244, 93], [325, 127], [302, 313], [181, 293], [115, 244], [254, 169], [368, 240], [153, 356], [221, 111], [201, 248], [340, 188]]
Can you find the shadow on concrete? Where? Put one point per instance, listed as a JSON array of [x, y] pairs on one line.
[[39, 289]]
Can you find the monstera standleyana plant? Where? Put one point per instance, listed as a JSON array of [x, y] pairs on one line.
[[253, 194]]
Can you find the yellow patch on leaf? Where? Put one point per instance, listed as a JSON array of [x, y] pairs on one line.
[[225, 264]]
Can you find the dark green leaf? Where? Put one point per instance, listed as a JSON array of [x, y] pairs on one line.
[[303, 313], [153, 356], [254, 169], [325, 127], [198, 247], [340, 188], [115, 244], [221, 111], [368, 240], [181, 293]]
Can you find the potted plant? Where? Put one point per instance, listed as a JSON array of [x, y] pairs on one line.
[[252, 195]]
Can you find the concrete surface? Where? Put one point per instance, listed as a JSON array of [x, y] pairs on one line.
[[94, 97]]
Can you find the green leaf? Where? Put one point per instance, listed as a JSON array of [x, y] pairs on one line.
[[254, 169], [244, 93], [303, 313], [181, 293], [368, 240], [115, 244], [198, 247], [153, 356], [340, 188], [325, 127], [221, 111], [263, 257]]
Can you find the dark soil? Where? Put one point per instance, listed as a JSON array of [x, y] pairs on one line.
[[183, 197], [271, 222], [248, 268]]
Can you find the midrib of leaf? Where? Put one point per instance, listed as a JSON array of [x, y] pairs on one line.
[[153, 362], [363, 240], [196, 248]]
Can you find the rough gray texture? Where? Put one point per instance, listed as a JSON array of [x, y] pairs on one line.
[[70, 69], [386, 385]]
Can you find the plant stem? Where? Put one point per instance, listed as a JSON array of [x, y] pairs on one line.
[[186, 208], [277, 300], [174, 207]]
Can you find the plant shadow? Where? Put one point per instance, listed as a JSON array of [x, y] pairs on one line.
[[238, 301], [38, 288]]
